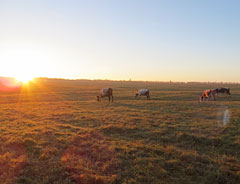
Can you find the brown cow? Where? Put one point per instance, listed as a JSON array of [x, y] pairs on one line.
[[106, 92], [207, 94]]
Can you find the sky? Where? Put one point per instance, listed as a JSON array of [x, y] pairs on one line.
[[155, 40]]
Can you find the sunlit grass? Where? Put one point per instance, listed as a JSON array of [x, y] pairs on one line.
[[64, 136]]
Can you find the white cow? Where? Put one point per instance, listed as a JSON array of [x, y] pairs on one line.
[[143, 92], [105, 92]]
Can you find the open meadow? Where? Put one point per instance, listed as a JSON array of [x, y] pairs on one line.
[[54, 131]]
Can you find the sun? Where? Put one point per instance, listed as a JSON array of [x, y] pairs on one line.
[[24, 79]]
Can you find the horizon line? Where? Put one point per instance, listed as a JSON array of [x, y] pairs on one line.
[[130, 80]]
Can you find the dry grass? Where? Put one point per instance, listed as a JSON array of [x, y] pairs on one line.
[[12, 160], [54, 131], [91, 159]]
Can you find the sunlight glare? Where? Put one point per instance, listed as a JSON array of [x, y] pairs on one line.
[[24, 62], [24, 79]]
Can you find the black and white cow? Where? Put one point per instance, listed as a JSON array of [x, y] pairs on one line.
[[223, 90]]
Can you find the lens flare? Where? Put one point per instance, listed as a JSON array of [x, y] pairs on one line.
[[226, 117], [9, 84], [223, 116]]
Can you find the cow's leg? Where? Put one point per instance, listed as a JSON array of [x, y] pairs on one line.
[[212, 96], [230, 97], [109, 97], [207, 97], [112, 98]]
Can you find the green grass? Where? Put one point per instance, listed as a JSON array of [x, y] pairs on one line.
[[54, 131]]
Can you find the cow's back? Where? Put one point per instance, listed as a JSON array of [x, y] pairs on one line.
[[106, 92], [143, 91]]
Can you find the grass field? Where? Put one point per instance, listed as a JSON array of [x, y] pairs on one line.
[[54, 131]]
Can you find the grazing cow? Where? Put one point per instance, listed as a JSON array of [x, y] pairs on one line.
[[143, 92], [207, 94], [106, 92], [223, 90]]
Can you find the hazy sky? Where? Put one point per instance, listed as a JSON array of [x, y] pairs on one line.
[[178, 40]]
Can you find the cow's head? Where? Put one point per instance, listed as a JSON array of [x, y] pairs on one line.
[[136, 95], [228, 91], [98, 98]]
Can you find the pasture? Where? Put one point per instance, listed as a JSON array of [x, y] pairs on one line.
[[54, 131]]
